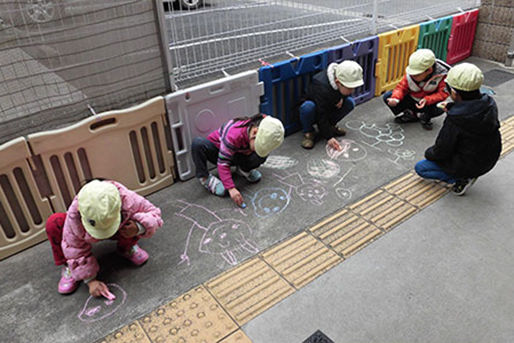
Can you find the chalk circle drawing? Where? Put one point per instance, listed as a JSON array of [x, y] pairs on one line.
[[402, 154], [279, 162], [390, 134], [324, 169], [311, 190], [269, 201], [350, 151], [221, 237], [100, 308]]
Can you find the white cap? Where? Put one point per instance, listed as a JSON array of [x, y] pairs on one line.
[[465, 77], [420, 61], [349, 73], [269, 136]]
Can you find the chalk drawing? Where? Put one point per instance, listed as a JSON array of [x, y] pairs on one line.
[[221, 237], [269, 201], [308, 190], [350, 151], [390, 134], [342, 192], [401, 154], [324, 169], [279, 162], [100, 308]]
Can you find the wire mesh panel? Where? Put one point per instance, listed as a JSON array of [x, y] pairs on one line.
[[285, 82], [434, 35], [365, 53], [23, 210], [462, 36], [128, 146], [394, 49], [61, 57]]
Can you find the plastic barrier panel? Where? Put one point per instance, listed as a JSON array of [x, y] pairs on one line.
[[365, 53], [462, 36], [127, 145], [23, 211], [394, 49], [434, 35], [199, 110], [284, 84]]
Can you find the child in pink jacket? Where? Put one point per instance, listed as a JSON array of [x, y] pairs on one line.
[[101, 210]]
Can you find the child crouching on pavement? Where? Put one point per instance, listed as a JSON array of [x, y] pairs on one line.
[[469, 143]]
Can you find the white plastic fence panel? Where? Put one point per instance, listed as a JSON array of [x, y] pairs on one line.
[[127, 145], [199, 110], [23, 210]]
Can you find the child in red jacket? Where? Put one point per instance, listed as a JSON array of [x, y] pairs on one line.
[[420, 89]]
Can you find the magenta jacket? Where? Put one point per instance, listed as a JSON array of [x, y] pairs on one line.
[[76, 242]]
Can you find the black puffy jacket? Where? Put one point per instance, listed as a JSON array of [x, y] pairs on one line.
[[469, 143]]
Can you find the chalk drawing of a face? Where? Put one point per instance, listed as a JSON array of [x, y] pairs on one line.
[[350, 151], [219, 237], [100, 308], [324, 169], [308, 190], [279, 162], [270, 201]]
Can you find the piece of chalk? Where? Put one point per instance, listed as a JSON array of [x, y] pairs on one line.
[[243, 205], [110, 296]]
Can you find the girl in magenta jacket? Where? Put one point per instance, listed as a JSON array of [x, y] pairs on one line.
[[101, 210]]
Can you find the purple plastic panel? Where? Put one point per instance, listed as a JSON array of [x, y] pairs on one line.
[[364, 52]]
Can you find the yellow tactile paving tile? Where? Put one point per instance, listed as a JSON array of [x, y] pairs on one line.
[[507, 132], [237, 337], [132, 333], [346, 232], [249, 289], [383, 209], [193, 317], [301, 259], [416, 190], [509, 121]]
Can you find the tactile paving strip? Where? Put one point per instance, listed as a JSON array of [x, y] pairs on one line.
[[249, 289], [193, 317], [416, 190], [237, 337], [383, 209], [132, 333], [301, 259], [345, 232], [507, 132]]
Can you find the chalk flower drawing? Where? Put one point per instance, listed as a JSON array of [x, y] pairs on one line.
[[390, 134], [402, 154], [100, 308], [279, 162], [221, 237]]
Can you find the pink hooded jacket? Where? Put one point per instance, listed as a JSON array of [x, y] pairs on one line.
[[76, 242]]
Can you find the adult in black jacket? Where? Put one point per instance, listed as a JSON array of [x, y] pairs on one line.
[[469, 143], [328, 100]]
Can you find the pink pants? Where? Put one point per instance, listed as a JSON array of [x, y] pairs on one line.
[[54, 226]]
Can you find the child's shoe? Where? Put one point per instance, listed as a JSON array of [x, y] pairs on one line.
[[339, 131], [407, 117], [461, 186], [213, 185], [252, 176], [67, 284], [425, 121], [135, 254], [308, 140]]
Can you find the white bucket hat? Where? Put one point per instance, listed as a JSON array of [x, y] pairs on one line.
[[100, 208], [420, 61], [465, 77], [349, 73], [269, 136]]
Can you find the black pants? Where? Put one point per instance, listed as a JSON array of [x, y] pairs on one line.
[[204, 150], [408, 103]]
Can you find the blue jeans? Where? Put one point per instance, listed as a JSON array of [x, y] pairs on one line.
[[308, 113], [431, 170]]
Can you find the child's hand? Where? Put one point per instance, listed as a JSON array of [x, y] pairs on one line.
[[236, 196], [339, 104], [98, 288], [334, 144], [443, 105], [421, 103], [129, 229], [392, 102]]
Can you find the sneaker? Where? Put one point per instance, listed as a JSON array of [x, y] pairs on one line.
[[308, 140], [407, 117], [461, 186], [425, 121], [135, 254], [252, 176], [213, 185], [339, 131], [67, 284]]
